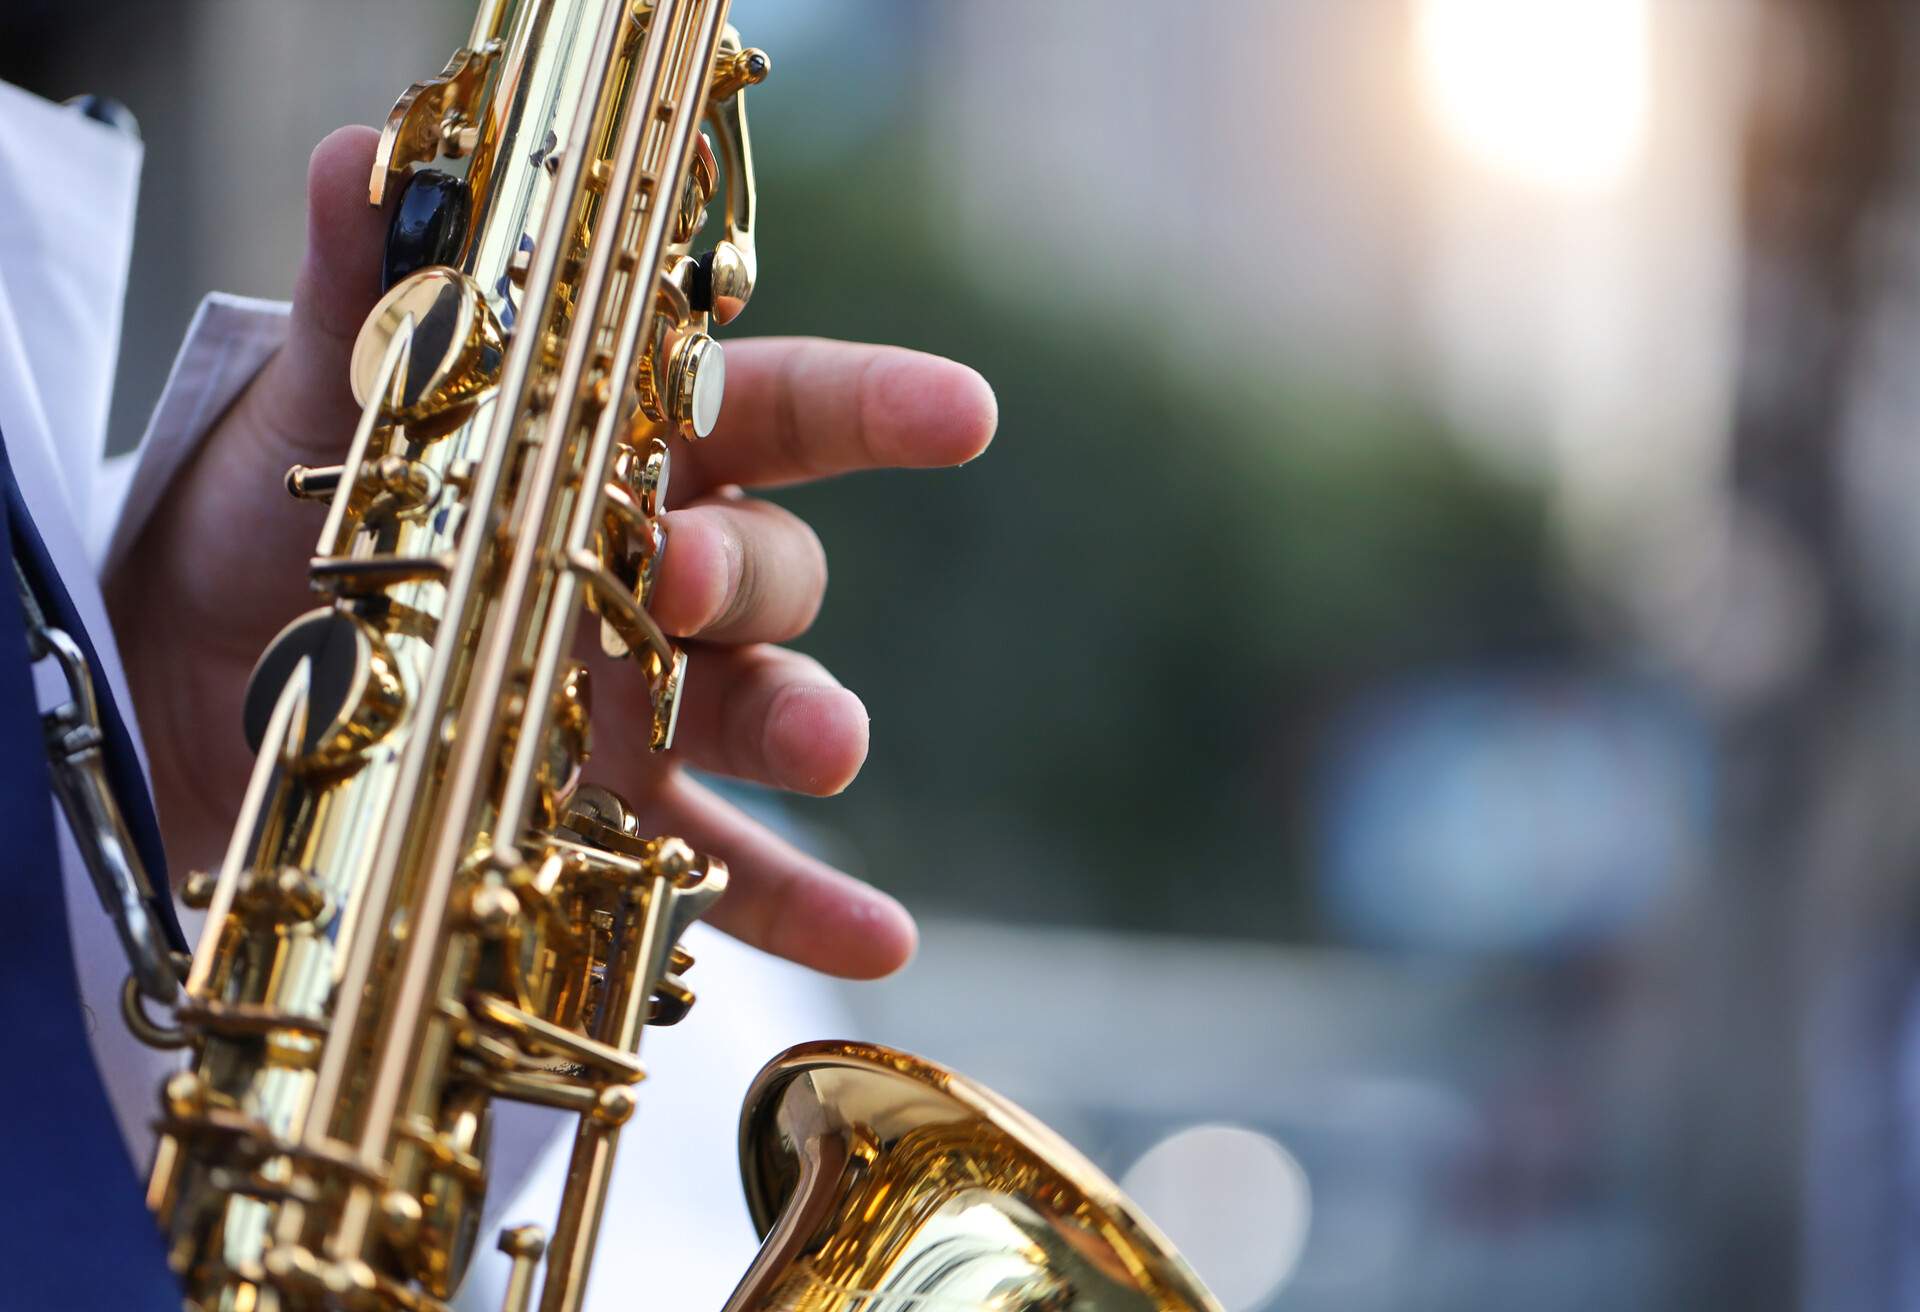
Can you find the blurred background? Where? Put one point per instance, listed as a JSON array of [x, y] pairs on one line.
[[1406, 749]]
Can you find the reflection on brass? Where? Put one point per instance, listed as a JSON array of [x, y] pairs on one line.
[[355, 695], [696, 382], [311, 484], [454, 355], [435, 116], [425, 906], [526, 1245], [732, 264], [878, 1178]]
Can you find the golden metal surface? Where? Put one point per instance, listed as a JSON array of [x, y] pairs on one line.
[[696, 382], [435, 117], [733, 265], [405, 928], [877, 1178], [455, 353], [359, 697], [423, 909]]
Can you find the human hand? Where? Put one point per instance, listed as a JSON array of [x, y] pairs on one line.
[[221, 567]]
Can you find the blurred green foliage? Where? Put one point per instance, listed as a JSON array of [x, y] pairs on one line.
[[1099, 659]]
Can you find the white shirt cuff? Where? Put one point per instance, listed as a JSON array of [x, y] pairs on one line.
[[229, 340]]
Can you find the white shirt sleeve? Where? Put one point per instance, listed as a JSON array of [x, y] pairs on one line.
[[67, 192], [229, 340]]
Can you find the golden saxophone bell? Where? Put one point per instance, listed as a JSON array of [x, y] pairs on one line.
[[879, 1179]]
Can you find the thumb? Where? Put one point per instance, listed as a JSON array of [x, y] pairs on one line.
[[305, 399]]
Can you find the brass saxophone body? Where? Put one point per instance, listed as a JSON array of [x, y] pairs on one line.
[[423, 910]]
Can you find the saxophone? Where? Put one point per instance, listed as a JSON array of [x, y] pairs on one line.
[[423, 910]]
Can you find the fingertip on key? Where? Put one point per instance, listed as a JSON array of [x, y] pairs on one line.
[[697, 574]]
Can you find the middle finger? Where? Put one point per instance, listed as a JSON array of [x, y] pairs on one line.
[[738, 570]]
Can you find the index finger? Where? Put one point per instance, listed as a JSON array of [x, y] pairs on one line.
[[800, 408]]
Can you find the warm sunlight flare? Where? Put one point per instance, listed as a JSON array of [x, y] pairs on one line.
[[1553, 91]]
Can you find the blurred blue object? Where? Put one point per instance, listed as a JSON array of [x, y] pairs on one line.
[[1509, 812]]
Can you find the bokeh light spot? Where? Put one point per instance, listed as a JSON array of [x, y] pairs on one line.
[[1550, 91], [1234, 1201]]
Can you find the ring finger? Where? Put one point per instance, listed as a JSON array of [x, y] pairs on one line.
[[759, 713]]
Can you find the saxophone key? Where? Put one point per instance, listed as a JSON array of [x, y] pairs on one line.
[[696, 384], [670, 1003], [452, 360], [430, 225], [354, 692], [644, 472]]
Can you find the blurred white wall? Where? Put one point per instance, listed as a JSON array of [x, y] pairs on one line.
[[1237, 170]]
